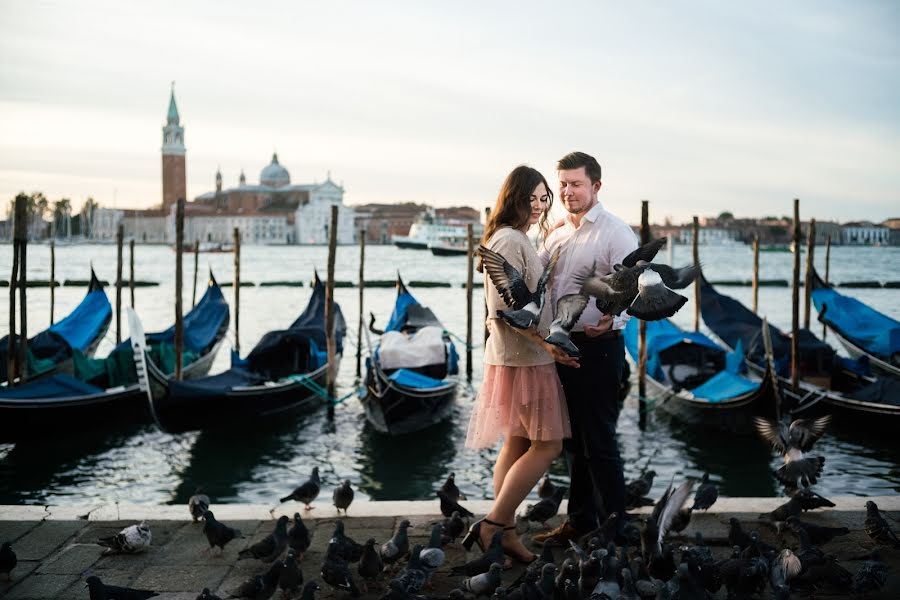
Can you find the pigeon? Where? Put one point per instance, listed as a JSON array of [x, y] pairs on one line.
[[270, 547], [451, 491], [449, 506], [604, 534], [736, 534], [493, 553], [809, 500], [817, 533], [432, 556], [545, 509], [785, 567], [871, 576], [568, 310], [637, 490], [260, 587], [706, 495], [629, 591], [298, 536], [8, 560], [545, 487], [671, 516], [308, 490], [290, 577], [526, 305], [370, 564], [453, 527], [413, 576], [645, 291], [396, 547], [205, 594], [791, 508], [347, 547], [483, 584], [134, 539], [878, 528], [343, 496], [99, 591], [198, 504], [335, 571], [792, 440], [217, 533], [309, 590]]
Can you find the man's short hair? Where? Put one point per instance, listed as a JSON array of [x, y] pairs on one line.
[[574, 160]]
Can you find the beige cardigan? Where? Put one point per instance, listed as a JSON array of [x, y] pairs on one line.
[[504, 345]]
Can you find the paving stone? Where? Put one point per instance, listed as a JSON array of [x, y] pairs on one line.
[[71, 560], [40, 587], [188, 546], [10, 531], [109, 576], [45, 538], [23, 569], [180, 579]]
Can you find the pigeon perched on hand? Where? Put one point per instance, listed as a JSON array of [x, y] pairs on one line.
[[342, 496], [706, 495], [134, 539], [307, 491], [792, 440], [878, 528], [451, 491], [8, 560], [198, 504], [526, 304], [218, 533], [270, 547], [99, 591]]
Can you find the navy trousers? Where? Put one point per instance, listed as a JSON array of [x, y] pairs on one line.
[[592, 454]]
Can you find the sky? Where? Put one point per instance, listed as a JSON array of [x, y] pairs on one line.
[[697, 106]]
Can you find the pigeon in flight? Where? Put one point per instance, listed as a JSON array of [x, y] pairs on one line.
[[645, 290], [526, 304], [134, 539], [198, 504], [798, 471], [307, 491], [568, 311]]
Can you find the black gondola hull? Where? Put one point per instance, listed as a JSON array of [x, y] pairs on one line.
[[395, 409]]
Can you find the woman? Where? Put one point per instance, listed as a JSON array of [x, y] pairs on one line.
[[521, 398]]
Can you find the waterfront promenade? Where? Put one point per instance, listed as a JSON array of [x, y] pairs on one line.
[[56, 545]]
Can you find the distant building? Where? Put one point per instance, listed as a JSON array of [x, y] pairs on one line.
[[105, 223], [174, 175], [865, 233], [146, 226], [709, 236], [894, 226], [382, 221]]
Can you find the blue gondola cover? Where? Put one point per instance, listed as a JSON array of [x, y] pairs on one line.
[[874, 332], [411, 379]]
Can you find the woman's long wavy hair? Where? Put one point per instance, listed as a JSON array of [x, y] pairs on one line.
[[513, 206]]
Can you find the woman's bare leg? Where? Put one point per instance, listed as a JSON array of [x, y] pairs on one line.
[[512, 449]]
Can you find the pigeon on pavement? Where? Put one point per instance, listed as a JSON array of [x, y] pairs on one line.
[[99, 591], [270, 547], [342, 496], [449, 506], [398, 546], [336, 573], [134, 539], [370, 564], [451, 491], [290, 577], [307, 491], [217, 533], [198, 504], [878, 528], [706, 495], [8, 560], [484, 584], [298, 536]]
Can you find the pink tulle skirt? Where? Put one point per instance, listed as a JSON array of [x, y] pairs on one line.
[[526, 402]]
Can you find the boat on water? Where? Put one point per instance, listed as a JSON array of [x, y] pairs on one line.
[[81, 331], [285, 372], [411, 374], [827, 382], [104, 393], [697, 381], [209, 247], [428, 230], [863, 331], [450, 247]]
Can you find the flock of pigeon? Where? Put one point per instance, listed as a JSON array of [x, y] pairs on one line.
[[626, 558]]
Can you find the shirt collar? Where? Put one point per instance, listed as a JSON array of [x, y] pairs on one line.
[[591, 215]]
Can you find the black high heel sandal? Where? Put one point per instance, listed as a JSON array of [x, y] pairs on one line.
[[516, 557], [473, 536]]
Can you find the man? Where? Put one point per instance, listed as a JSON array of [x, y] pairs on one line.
[[592, 241]]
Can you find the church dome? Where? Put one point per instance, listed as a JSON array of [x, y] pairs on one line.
[[274, 175]]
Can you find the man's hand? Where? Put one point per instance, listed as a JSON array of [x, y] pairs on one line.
[[602, 326], [560, 356]]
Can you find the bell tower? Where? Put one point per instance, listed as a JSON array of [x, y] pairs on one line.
[[174, 179]]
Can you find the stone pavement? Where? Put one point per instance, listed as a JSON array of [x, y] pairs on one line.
[[57, 551]]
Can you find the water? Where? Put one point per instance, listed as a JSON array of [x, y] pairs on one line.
[[145, 465]]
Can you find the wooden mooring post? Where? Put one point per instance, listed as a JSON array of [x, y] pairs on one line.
[[196, 268], [362, 285], [329, 311], [695, 243], [22, 354], [642, 330], [810, 265], [470, 263], [755, 281], [52, 278], [179, 317], [20, 216], [120, 238], [131, 270], [237, 290], [795, 300], [827, 266]]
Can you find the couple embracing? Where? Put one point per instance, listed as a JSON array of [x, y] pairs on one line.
[[534, 396]]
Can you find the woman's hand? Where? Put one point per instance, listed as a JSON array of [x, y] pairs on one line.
[[560, 356]]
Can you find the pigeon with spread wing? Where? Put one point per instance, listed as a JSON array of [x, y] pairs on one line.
[[526, 304]]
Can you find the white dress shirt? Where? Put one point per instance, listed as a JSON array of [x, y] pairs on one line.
[[591, 249]]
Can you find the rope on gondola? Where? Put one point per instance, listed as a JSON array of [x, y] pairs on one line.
[[317, 389], [461, 340]]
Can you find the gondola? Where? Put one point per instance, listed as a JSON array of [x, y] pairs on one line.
[[105, 392], [827, 382], [862, 330], [51, 350], [286, 371], [410, 377], [697, 381]]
